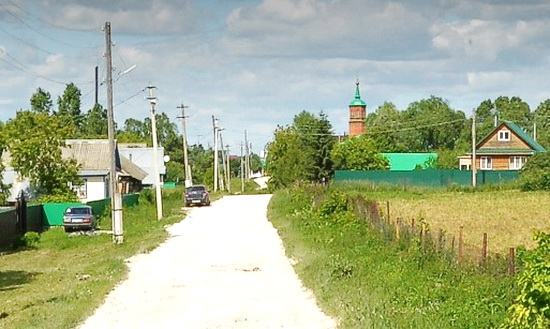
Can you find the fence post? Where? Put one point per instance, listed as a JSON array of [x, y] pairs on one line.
[[512, 261], [460, 244], [440, 240], [484, 248], [412, 227], [423, 235]]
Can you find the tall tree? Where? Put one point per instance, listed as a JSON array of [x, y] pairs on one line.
[[94, 124], [542, 120], [69, 108], [37, 154], [41, 101], [358, 153], [384, 125]]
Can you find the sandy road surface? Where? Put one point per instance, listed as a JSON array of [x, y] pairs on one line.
[[223, 267]]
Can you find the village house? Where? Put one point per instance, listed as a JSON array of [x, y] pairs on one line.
[[507, 147]]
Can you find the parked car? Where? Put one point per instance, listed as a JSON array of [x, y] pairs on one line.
[[79, 218], [196, 195]]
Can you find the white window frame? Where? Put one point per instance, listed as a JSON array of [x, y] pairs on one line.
[[517, 162], [504, 136], [485, 163]]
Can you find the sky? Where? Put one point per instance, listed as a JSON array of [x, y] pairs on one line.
[[255, 64]]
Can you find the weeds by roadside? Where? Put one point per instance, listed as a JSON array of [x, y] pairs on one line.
[[366, 282]]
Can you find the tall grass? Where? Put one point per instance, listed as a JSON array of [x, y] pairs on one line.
[[366, 282], [64, 278]]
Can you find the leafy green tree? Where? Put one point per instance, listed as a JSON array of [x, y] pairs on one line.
[[514, 109], [542, 119], [95, 123], [535, 175], [531, 308], [315, 136], [41, 101], [384, 126], [37, 154], [358, 153], [285, 158], [435, 126], [69, 108]]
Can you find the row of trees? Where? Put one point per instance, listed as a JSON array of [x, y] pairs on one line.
[[306, 150], [35, 136]]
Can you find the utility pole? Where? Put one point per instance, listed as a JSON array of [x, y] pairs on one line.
[[242, 168], [116, 199], [97, 84], [187, 168], [473, 165], [215, 127], [228, 172], [221, 174], [246, 155], [153, 101]]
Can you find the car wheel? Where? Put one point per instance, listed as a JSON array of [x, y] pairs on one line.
[[67, 229]]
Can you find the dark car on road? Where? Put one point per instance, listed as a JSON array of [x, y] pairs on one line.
[[79, 218], [196, 195]]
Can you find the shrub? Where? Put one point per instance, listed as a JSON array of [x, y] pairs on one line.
[[535, 175], [27, 240], [531, 308]]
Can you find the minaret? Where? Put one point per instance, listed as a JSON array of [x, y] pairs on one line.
[[357, 114]]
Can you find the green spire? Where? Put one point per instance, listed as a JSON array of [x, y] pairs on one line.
[[357, 101]]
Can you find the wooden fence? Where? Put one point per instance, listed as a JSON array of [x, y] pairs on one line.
[[411, 231]]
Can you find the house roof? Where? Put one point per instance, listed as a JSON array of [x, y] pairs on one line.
[[93, 155], [407, 161], [518, 131]]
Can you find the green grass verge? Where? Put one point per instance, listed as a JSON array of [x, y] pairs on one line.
[[63, 279], [365, 282]]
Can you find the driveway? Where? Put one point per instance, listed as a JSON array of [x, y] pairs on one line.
[[223, 267]]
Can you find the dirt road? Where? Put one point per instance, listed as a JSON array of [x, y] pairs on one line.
[[223, 267]]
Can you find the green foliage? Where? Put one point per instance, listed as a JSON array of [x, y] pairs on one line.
[[68, 111], [531, 308], [37, 153], [95, 123], [535, 175], [358, 153], [27, 241], [41, 101], [366, 282], [301, 152]]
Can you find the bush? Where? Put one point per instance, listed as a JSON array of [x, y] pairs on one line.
[[535, 175], [27, 240], [531, 308]]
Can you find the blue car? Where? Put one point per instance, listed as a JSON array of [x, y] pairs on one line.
[[79, 218]]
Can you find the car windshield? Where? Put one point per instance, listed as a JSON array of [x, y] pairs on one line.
[[196, 189], [78, 211]]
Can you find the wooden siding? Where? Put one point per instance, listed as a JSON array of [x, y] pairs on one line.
[[515, 142], [499, 162]]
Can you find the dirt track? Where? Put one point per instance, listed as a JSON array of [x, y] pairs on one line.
[[223, 267]]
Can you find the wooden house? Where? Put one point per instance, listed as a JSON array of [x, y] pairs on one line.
[[507, 147]]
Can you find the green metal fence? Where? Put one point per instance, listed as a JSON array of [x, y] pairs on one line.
[[428, 177]]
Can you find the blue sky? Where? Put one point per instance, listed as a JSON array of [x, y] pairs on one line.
[[255, 64]]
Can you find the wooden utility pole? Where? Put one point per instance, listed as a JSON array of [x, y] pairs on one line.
[[187, 168], [246, 157], [473, 165], [153, 101], [116, 199]]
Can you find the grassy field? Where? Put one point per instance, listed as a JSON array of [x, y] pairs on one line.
[[509, 217], [61, 281], [364, 282]]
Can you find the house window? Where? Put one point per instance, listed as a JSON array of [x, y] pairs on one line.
[[81, 190], [504, 136], [485, 163], [517, 162]]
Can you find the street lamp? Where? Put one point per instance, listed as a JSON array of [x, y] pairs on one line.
[[153, 101]]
